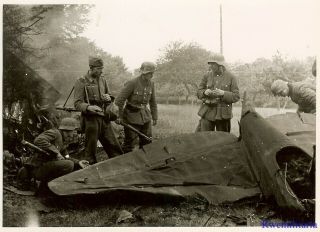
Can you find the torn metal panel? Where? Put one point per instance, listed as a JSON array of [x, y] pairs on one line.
[[265, 146], [300, 128]]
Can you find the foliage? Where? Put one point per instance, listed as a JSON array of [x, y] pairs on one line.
[[181, 66], [19, 26], [47, 38], [256, 77]]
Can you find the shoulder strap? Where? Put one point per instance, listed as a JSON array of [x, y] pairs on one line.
[[68, 97]]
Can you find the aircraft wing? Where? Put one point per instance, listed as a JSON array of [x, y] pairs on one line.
[[214, 165], [207, 164]]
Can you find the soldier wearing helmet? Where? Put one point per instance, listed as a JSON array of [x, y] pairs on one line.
[[300, 93], [218, 89], [46, 167], [91, 97], [133, 102]]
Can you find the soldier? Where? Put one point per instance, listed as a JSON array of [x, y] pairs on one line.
[[91, 96], [300, 93], [218, 89], [136, 95], [46, 167]]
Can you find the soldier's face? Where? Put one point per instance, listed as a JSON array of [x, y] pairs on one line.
[[283, 92], [68, 136], [214, 67], [96, 71], [148, 76]]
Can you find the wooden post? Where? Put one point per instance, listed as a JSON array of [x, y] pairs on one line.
[[221, 41]]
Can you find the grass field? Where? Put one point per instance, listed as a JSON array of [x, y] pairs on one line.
[[104, 210], [178, 119]]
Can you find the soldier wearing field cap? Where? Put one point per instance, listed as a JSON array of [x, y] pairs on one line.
[[133, 102], [91, 95], [300, 93], [218, 89]]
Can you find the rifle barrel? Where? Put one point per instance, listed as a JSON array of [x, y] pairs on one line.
[[66, 109], [135, 130], [24, 142]]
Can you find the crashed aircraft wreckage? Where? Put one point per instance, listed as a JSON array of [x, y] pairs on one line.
[[272, 156]]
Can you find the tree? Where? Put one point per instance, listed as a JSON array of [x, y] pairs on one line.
[[47, 38], [256, 78], [19, 27], [182, 64]]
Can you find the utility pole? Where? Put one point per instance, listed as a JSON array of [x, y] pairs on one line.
[[221, 41]]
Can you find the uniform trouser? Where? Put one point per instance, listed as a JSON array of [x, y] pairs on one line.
[[217, 125], [53, 169], [130, 136], [96, 128]]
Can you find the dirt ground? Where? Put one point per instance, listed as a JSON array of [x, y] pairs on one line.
[[123, 209]]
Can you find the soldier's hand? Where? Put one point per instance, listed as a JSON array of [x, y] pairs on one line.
[[154, 122], [84, 163], [94, 109], [60, 157], [218, 92], [106, 97], [208, 92]]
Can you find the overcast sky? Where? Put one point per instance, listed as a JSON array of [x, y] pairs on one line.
[[137, 29]]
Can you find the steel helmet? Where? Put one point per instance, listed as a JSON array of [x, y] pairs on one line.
[[147, 67], [69, 124], [277, 86], [219, 59], [95, 62]]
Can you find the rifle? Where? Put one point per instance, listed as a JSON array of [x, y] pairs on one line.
[[136, 131], [69, 109], [43, 151], [24, 142]]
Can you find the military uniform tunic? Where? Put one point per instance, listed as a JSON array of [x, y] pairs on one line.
[[89, 90], [133, 102], [219, 108], [48, 167], [304, 95]]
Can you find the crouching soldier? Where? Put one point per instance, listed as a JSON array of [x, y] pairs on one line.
[[50, 164], [133, 102]]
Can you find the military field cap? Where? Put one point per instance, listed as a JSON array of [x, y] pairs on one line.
[[278, 85], [219, 59], [95, 62], [147, 67]]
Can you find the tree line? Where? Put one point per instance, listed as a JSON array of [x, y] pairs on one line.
[[48, 38]]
